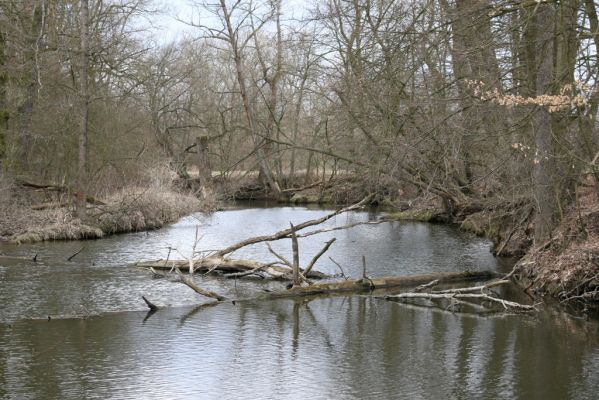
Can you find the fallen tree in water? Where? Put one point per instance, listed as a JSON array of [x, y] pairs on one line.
[[302, 284], [221, 262]]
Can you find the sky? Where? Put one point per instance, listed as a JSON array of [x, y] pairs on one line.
[[167, 25]]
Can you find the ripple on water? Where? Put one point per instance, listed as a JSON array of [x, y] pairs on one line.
[[336, 348], [97, 279]]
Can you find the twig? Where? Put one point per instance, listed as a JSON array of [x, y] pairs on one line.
[[585, 282], [295, 190], [204, 292], [464, 296], [280, 257], [286, 233], [151, 306], [250, 272], [514, 229], [473, 288], [337, 228], [340, 269], [74, 255], [317, 256], [156, 274], [426, 286]]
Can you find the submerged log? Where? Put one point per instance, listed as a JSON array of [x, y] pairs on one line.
[[11, 259], [229, 266]]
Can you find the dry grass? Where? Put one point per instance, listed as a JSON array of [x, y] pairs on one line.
[[136, 209], [72, 230], [151, 205]]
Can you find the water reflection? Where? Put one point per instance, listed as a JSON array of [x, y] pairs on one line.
[[342, 348], [97, 280]]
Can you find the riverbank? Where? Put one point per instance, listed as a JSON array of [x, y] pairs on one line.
[[566, 268], [29, 214]]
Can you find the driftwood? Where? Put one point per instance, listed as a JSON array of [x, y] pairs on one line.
[[370, 284], [190, 283], [229, 266], [221, 263], [507, 305], [474, 296], [353, 286]]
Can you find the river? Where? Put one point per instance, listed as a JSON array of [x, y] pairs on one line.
[[79, 329]]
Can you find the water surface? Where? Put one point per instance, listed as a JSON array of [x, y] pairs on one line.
[[328, 348]]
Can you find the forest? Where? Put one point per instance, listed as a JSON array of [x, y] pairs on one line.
[[480, 113]]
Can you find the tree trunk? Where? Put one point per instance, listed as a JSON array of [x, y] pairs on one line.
[[29, 76], [542, 22], [233, 42], [4, 114], [82, 164], [204, 169]]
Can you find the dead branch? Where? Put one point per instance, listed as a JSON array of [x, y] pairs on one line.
[[318, 255], [280, 257], [361, 285], [61, 189], [337, 228], [286, 233], [156, 274], [250, 272], [506, 304], [470, 289], [427, 286], [228, 266], [151, 306], [295, 250], [299, 189], [514, 229], [76, 254], [204, 292], [340, 269]]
